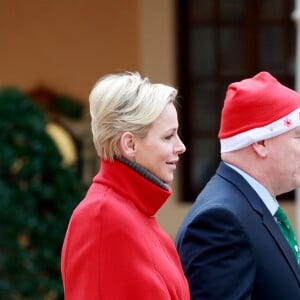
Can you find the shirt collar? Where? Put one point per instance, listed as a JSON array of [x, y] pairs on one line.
[[270, 202]]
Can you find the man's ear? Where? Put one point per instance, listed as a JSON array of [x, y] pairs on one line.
[[260, 148], [127, 144]]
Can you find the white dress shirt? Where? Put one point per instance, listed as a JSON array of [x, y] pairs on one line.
[[262, 192]]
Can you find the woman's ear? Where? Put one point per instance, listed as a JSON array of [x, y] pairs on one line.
[[260, 148], [127, 144]]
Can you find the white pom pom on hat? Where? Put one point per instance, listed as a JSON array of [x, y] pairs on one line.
[[256, 109]]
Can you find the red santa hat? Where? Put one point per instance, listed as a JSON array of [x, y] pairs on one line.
[[256, 109]]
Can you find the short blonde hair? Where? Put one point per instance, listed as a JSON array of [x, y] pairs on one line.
[[124, 102]]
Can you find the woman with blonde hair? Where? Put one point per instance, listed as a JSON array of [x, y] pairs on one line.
[[114, 248]]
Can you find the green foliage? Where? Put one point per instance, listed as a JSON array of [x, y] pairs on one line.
[[37, 196], [67, 106]]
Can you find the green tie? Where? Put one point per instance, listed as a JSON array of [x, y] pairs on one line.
[[287, 230]]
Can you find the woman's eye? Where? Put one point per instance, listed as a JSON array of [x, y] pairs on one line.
[[169, 137]]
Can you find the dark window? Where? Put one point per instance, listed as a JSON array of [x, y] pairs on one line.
[[221, 41]]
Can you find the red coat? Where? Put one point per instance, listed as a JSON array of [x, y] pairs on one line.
[[114, 249]]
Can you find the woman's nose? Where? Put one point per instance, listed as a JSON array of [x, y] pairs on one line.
[[180, 147]]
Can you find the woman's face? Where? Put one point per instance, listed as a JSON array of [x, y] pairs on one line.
[[159, 150]]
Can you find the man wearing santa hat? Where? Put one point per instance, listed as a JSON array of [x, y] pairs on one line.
[[236, 242]]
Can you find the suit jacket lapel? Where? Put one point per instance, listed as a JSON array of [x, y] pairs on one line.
[[267, 219]]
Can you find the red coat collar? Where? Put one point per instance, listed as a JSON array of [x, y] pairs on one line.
[[145, 195]]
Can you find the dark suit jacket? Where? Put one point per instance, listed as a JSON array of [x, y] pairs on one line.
[[231, 247]]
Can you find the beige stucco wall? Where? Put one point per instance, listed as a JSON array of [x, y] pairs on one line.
[[66, 44]]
